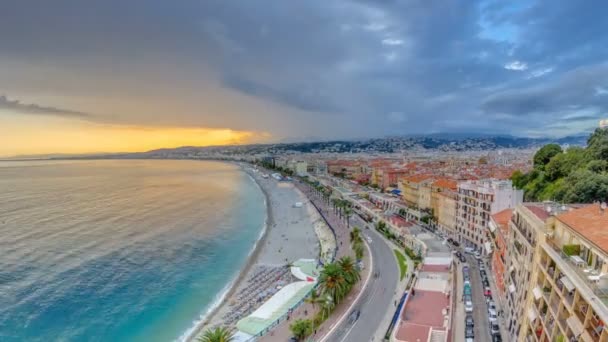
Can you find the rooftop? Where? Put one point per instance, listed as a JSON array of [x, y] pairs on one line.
[[590, 222], [502, 218]]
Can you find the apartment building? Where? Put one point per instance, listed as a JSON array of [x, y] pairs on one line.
[[410, 187], [499, 228], [477, 201], [555, 273], [443, 203], [525, 227]]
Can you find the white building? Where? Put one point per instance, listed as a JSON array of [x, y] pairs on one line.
[[476, 202]]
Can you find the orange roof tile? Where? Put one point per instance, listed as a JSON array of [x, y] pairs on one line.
[[590, 222], [502, 217], [446, 183]]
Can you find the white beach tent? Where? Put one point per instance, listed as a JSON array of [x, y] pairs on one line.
[[240, 336], [279, 299]]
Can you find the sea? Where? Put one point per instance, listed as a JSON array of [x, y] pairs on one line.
[[120, 250]]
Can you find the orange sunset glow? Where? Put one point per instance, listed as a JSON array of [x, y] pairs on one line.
[[36, 136]]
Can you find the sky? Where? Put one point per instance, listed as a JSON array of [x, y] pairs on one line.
[[104, 76]]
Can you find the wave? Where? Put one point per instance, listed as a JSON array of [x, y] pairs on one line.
[[221, 296]]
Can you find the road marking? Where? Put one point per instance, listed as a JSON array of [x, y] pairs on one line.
[[371, 269]]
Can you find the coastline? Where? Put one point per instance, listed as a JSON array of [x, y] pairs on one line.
[[262, 253]]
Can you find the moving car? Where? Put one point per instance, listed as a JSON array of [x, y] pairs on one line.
[[469, 250]]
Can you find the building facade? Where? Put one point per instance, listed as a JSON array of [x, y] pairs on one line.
[[556, 273], [477, 201]]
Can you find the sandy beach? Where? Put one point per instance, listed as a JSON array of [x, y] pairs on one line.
[[292, 233]]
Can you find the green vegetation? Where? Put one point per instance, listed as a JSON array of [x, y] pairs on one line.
[[357, 243], [577, 175], [402, 263], [571, 249], [219, 334], [335, 282], [301, 328]]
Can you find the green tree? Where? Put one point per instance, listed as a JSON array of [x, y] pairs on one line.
[[355, 235], [350, 272], [218, 334], [314, 298], [301, 328], [332, 282], [544, 155], [359, 251]]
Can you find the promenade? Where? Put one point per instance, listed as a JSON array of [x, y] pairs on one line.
[[307, 311]]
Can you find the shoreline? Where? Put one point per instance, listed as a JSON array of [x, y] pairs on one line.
[[252, 258], [289, 236]]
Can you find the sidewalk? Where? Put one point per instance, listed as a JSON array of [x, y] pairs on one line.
[[306, 311], [401, 287]]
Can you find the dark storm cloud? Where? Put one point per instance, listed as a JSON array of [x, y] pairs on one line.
[[32, 108], [361, 67]]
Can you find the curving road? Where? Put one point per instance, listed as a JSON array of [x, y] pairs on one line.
[[378, 296]]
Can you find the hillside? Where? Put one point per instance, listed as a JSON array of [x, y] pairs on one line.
[[576, 175]]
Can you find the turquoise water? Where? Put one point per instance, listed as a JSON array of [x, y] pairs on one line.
[[119, 250]]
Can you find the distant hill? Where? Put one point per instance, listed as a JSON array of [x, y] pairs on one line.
[[378, 145], [574, 175]]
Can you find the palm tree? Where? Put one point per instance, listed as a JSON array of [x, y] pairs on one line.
[[218, 334], [351, 274], [314, 298], [333, 283], [358, 248], [355, 235], [347, 212]]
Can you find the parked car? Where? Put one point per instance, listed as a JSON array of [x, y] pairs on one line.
[[494, 329], [462, 259], [492, 316], [491, 305], [469, 250], [468, 305], [483, 274], [469, 321], [469, 333], [487, 292], [467, 289], [496, 338], [482, 267], [485, 282], [477, 256], [455, 243]]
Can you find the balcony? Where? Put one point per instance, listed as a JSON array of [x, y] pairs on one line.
[[582, 275]]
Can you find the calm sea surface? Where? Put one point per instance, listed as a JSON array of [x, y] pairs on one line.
[[119, 250]]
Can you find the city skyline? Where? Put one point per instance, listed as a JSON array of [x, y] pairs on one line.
[[116, 77]]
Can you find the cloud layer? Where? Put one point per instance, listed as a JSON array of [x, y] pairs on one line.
[[322, 69], [32, 108]]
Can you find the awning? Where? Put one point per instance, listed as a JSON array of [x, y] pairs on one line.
[[574, 324], [532, 314], [537, 293], [488, 247], [511, 288], [567, 283]]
